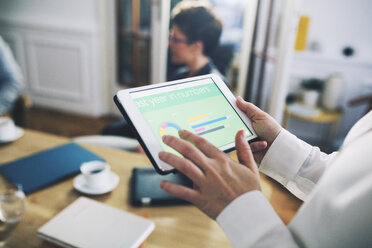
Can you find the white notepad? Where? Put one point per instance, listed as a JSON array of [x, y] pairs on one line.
[[89, 223]]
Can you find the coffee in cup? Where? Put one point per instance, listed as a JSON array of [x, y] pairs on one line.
[[96, 173]]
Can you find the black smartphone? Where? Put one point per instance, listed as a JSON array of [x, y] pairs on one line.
[[145, 187]]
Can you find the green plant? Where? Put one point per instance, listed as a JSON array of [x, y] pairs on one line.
[[312, 84]]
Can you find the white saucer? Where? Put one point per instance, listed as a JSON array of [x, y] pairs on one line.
[[80, 185], [17, 134]]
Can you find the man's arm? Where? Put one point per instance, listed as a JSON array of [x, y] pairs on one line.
[[11, 80]]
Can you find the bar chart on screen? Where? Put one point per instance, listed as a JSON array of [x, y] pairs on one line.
[[201, 124]]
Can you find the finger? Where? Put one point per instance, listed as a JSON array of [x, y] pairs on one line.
[[202, 144], [243, 150], [186, 149], [183, 165], [258, 146], [180, 191], [251, 110]]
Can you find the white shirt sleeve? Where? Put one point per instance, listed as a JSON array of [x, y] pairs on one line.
[[247, 224], [295, 164]]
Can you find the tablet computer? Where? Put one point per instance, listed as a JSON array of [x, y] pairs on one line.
[[203, 105]]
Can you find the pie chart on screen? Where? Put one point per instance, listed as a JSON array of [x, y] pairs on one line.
[[168, 125]]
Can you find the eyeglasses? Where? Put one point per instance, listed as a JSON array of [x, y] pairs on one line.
[[174, 39]]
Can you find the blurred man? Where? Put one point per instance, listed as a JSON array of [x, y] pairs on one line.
[[194, 35]]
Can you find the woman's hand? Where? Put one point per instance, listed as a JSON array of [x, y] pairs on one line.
[[217, 179]]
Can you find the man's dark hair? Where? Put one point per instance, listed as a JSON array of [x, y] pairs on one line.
[[197, 21]]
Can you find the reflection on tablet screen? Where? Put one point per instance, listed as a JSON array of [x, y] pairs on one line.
[[199, 107]]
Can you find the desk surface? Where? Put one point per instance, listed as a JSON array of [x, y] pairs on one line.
[[324, 116], [176, 226]]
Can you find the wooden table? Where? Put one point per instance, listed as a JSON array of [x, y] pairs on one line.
[[176, 226]]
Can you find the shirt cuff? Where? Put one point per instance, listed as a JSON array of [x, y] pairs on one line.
[[285, 157], [249, 219]]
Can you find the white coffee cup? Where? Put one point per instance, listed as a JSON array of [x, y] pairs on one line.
[[96, 173], [7, 128]]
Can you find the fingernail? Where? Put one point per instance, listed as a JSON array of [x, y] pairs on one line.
[[165, 138], [162, 183], [242, 134], [161, 154], [181, 132]]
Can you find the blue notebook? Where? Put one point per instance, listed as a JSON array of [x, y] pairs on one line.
[[45, 168]]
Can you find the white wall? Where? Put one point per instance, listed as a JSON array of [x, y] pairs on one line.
[[76, 13], [335, 24], [65, 49], [338, 23]]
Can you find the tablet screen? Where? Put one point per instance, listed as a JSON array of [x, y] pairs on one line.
[[198, 106]]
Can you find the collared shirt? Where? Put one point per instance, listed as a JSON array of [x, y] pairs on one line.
[[336, 189], [207, 69], [11, 80]]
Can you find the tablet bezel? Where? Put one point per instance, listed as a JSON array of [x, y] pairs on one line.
[[145, 135]]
